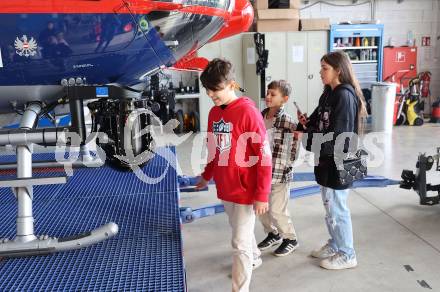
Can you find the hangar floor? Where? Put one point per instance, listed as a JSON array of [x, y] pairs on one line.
[[397, 240]]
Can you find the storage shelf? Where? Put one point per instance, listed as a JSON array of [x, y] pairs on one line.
[[355, 48], [364, 65], [363, 62]]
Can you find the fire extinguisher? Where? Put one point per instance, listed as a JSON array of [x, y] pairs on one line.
[[425, 79]]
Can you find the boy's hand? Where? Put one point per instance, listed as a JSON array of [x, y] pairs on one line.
[[201, 184], [302, 118], [260, 207]]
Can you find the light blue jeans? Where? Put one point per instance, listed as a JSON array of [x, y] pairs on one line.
[[338, 220]]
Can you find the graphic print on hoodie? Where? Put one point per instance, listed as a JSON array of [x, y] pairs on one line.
[[222, 132]]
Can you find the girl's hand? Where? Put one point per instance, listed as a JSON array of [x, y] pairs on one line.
[[302, 118]]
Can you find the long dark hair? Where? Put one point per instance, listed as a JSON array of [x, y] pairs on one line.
[[340, 61]]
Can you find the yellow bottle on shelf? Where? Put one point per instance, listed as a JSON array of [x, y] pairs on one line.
[[365, 42]]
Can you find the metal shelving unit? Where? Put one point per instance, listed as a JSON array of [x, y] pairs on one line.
[[355, 48], [366, 59]]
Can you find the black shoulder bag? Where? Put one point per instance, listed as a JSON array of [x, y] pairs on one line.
[[354, 168], [354, 165]]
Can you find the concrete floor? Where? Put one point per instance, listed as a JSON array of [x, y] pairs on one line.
[[391, 230]]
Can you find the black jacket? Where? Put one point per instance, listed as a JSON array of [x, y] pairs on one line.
[[336, 114]]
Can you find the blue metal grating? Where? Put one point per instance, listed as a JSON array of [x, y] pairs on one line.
[[45, 156], [162, 157], [88, 182], [146, 254]]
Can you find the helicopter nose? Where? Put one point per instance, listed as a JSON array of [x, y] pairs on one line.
[[241, 19], [245, 12]]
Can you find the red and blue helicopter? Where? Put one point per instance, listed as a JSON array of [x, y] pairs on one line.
[[57, 53]]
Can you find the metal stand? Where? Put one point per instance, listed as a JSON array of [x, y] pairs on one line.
[[79, 126], [25, 220], [418, 182], [25, 242], [85, 159]]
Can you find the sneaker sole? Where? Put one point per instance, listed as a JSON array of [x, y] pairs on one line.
[[273, 244], [322, 257], [337, 269], [256, 266], [287, 253]]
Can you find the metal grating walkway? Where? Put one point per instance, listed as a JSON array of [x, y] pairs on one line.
[[146, 254]]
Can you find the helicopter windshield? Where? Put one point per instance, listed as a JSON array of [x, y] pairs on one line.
[[182, 32]]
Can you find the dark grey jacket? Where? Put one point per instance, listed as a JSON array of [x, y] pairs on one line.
[[337, 113]]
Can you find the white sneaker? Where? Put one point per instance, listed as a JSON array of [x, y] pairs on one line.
[[324, 252], [338, 262], [257, 263]]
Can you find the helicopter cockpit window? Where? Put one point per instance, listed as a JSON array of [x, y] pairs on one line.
[[174, 29], [183, 32], [79, 34], [222, 4]]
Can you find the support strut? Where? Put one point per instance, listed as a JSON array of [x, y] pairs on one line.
[[26, 243]]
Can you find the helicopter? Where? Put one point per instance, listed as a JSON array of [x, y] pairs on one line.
[[57, 55]]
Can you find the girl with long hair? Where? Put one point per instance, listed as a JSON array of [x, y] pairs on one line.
[[340, 114]]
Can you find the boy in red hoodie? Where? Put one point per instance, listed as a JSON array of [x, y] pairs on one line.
[[241, 164]]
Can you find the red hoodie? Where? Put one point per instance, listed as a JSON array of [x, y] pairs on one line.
[[239, 155]]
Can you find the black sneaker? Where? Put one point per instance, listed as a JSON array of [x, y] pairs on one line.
[[287, 247], [270, 240]]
